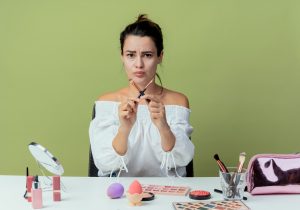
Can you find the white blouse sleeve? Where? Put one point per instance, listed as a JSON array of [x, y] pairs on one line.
[[102, 131], [183, 151]]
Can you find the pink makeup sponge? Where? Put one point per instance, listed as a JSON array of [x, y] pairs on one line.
[[135, 187], [115, 190]]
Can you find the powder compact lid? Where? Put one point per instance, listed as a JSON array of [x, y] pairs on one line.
[[148, 196], [199, 195]]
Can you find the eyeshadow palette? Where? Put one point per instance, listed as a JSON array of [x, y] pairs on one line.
[[166, 190], [211, 205]]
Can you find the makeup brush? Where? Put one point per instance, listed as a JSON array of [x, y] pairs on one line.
[[239, 169], [149, 84], [220, 191], [220, 163], [27, 174], [142, 92], [241, 162]]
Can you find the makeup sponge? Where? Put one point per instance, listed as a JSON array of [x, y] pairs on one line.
[[115, 190], [135, 187]]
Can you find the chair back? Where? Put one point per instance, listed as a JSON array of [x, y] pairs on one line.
[[93, 170]]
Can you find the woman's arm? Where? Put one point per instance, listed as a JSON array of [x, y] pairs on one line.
[[127, 115]]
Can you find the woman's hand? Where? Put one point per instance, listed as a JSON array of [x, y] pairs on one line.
[[127, 113], [158, 117], [127, 116], [157, 111]]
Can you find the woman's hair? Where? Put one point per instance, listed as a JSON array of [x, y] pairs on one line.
[[144, 27]]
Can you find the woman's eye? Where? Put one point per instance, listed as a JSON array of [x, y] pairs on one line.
[[148, 55], [130, 55]]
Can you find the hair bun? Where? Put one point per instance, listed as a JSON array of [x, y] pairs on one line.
[[142, 17]]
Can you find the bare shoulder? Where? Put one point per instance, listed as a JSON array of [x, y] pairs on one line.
[[175, 98], [113, 96]]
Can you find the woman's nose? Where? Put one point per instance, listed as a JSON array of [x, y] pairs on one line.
[[139, 62]]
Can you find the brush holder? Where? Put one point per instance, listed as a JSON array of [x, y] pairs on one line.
[[233, 183]]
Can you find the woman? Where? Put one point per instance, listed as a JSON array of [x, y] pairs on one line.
[[143, 128]]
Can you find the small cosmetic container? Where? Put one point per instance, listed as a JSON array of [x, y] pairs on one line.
[[199, 195], [56, 188], [37, 198], [29, 181]]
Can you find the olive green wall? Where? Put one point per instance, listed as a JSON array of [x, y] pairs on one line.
[[237, 61]]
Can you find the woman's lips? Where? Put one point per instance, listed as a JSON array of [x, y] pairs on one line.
[[139, 74]]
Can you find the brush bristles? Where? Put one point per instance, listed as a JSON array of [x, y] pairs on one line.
[[242, 157], [216, 156], [220, 163], [243, 154], [149, 83], [241, 161]]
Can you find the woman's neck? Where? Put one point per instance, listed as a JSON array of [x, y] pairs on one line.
[[136, 90]]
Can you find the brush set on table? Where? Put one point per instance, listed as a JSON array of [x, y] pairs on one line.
[[232, 178]]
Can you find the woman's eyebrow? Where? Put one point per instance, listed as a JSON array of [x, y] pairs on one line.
[[143, 52], [130, 51]]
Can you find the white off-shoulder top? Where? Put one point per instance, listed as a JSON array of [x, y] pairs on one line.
[[144, 156]]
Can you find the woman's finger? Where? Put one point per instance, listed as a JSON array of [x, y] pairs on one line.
[[155, 110], [156, 115], [132, 105], [153, 104], [136, 100], [124, 113], [151, 98]]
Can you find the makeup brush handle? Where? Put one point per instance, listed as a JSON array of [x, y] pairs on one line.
[[220, 191]]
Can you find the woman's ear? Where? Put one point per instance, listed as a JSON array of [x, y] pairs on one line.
[[160, 57], [122, 59]]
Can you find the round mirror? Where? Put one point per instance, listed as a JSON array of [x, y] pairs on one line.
[[45, 158]]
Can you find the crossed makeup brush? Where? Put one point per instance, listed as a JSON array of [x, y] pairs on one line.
[[141, 92]]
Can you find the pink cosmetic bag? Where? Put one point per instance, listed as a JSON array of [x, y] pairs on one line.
[[274, 174]]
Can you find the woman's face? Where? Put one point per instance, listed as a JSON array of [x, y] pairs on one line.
[[140, 59]]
